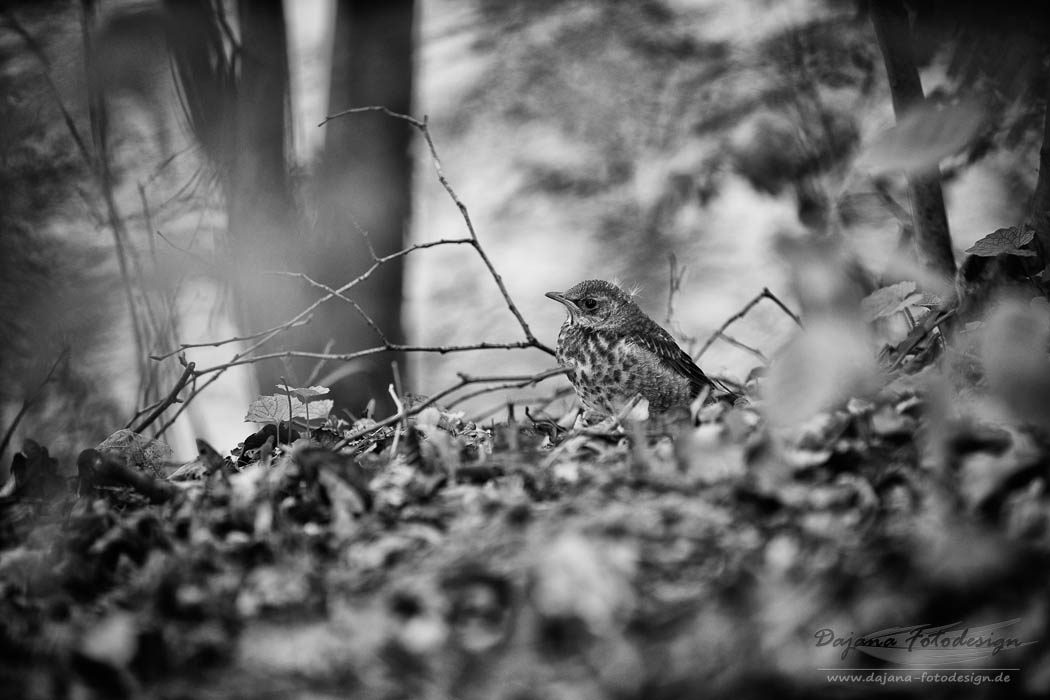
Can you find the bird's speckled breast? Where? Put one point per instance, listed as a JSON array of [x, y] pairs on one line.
[[608, 371]]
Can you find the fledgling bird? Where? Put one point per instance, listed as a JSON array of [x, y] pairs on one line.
[[615, 352]]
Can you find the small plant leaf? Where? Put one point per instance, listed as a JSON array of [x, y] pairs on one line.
[[269, 409], [887, 301], [305, 393], [318, 410], [274, 409], [309, 394], [1004, 241]]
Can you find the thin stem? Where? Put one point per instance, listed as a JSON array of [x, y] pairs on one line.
[[510, 382], [743, 346], [720, 332], [172, 397], [344, 357], [783, 307], [464, 380], [338, 295], [217, 343], [423, 127], [246, 356], [27, 404], [677, 276]]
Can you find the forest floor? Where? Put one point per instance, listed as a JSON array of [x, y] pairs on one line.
[[443, 559]]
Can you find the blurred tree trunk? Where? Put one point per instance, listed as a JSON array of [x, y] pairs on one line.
[[236, 101], [1041, 196], [260, 206], [260, 201], [932, 236], [366, 186]]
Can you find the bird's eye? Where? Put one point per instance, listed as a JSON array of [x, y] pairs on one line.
[[589, 304]]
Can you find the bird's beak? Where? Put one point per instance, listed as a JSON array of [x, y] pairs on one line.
[[570, 305], [559, 297]]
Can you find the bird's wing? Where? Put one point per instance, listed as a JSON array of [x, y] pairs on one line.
[[658, 341]]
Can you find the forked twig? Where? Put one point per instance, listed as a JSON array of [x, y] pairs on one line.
[[720, 332], [248, 356], [338, 295], [423, 128]]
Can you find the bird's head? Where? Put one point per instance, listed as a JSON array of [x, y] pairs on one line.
[[597, 304]]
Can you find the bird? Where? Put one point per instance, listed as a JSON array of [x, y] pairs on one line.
[[614, 353]]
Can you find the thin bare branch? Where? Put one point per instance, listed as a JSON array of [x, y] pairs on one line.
[[194, 392], [720, 332], [38, 52], [744, 346], [677, 276], [294, 323], [28, 403], [347, 356], [247, 356], [185, 251], [127, 264], [374, 108], [517, 381], [306, 314], [338, 295], [172, 397], [423, 127], [311, 379], [783, 307]]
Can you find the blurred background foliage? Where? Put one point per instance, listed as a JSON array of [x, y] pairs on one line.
[[589, 138]]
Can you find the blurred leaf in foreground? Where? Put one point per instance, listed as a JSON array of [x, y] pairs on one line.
[[890, 300], [833, 358], [825, 365], [1013, 351], [923, 137]]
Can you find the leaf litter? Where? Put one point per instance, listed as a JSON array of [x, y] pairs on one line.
[[443, 558]]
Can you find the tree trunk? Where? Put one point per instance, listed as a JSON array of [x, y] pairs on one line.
[[932, 237], [259, 195], [260, 207], [1041, 196], [236, 101], [365, 186]]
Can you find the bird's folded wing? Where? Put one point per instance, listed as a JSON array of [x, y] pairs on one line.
[[658, 341]]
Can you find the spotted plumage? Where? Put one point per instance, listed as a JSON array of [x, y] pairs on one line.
[[615, 352]]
